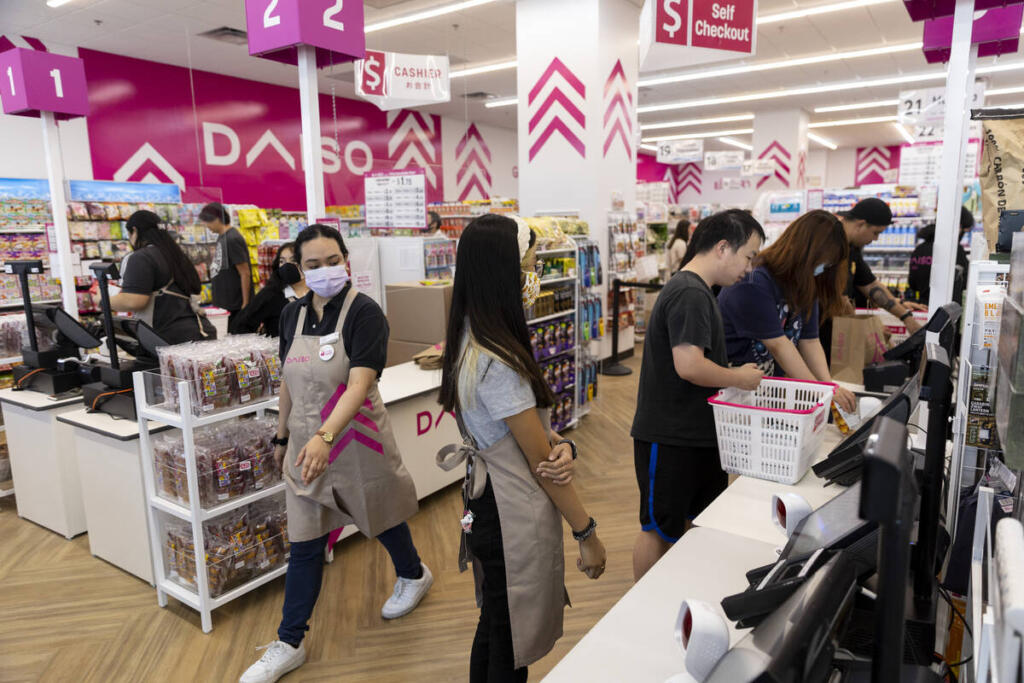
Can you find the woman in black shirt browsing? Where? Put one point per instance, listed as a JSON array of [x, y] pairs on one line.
[[159, 284], [285, 284]]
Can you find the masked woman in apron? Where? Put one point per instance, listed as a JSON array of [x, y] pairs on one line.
[[284, 285], [513, 520], [340, 461], [159, 283]]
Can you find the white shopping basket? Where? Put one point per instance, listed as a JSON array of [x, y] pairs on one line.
[[774, 431]]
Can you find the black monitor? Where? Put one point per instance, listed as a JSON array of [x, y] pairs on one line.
[[843, 464], [942, 322], [798, 640], [836, 524], [74, 331]]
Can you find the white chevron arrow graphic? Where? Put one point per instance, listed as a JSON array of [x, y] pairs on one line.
[[394, 114], [411, 125], [268, 139], [412, 153], [875, 155], [148, 153]]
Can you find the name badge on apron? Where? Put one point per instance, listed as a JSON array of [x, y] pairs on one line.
[[327, 346]]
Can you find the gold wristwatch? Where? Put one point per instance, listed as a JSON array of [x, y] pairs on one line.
[[328, 437]]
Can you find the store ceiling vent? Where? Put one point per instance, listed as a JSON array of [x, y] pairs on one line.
[[226, 34]]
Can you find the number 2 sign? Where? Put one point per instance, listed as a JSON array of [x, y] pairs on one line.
[[32, 81], [334, 27]]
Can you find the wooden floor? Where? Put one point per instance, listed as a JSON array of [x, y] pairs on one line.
[[67, 616]]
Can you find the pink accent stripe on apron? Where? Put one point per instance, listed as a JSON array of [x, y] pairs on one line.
[[333, 401], [350, 436], [332, 538], [366, 422]]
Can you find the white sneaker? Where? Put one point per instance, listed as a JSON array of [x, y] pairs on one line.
[[279, 659], [408, 593]]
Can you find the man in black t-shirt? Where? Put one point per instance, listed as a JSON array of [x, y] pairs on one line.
[[675, 447], [863, 224], [919, 277], [230, 272]]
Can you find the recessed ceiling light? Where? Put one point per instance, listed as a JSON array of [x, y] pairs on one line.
[[56, 3], [485, 69], [506, 102], [904, 132], [820, 9], [426, 14], [695, 136], [1004, 91], [782, 64], [652, 148], [852, 122], [736, 143], [696, 122], [822, 141]]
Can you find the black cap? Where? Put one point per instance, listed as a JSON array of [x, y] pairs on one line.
[[871, 210]]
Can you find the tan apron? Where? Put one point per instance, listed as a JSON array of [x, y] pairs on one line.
[[365, 483], [531, 532], [146, 314]]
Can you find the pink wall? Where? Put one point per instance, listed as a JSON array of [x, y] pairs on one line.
[[244, 135], [648, 170]]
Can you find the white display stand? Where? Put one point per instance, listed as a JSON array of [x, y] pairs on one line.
[[110, 469], [420, 426], [43, 465], [635, 640]]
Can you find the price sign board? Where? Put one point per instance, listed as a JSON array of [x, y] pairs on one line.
[[396, 199], [32, 81], [728, 160], [334, 27], [757, 167], [680, 151], [923, 111]]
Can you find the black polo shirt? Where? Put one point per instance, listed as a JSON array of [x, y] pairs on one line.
[[364, 332]]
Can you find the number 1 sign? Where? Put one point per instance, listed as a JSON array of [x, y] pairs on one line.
[[32, 81], [333, 27]]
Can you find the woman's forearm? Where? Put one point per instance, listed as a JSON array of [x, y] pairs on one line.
[[359, 383], [814, 354], [789, 358], [284, 410], [532, 438]]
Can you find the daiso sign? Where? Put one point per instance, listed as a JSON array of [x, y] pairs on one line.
[[427, 421], [157, 123]]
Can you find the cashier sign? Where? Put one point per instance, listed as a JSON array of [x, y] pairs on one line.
[[714, 24]]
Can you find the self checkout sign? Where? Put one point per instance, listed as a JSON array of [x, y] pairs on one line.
[[33, 81], [333, 27], [685, 32]]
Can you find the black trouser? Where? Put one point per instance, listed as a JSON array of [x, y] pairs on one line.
[[492, 658]]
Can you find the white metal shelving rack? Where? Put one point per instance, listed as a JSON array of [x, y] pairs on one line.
[[193, 513]]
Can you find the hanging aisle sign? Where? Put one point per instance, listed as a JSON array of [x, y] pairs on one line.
[[680, 151], [277, 27], [32, 81], [396, 199], [676, 33], [727, 160], [392, 80], [923, 111]]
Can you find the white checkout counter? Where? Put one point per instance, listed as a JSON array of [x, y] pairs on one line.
[[635, 640], [43, 465], [105, 454]]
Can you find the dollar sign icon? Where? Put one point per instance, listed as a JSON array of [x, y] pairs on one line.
[[371, 80], [677, 22]]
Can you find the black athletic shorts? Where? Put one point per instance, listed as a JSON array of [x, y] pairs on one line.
[[676, 484]]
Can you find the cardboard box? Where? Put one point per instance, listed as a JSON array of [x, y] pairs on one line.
[[402, 351], [418, 313]]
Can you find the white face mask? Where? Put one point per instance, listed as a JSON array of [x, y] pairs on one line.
[[327, 281]]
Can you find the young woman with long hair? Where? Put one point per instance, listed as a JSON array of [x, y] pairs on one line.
[[159, 284], [676, 249], [513, 522], [771, 317]]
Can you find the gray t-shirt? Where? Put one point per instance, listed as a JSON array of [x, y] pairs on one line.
[[500, 393], [227, 283]]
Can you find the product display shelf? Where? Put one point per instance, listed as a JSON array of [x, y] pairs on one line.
[[971, 456], [553, 316], [553, 252], [193, 513], [556, 280], [590, 321]]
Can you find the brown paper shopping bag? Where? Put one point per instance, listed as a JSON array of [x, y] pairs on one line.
[[857, 341]]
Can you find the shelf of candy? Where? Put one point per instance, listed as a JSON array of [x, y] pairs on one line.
[[224, 373], [241, 545], [558, 267], [232, 459], [552, 302], [265, 255], [560, 374], [439, 258], [29, 215], [556, 232], [288, 223], [41, 288], [563, 411], [553, 338]]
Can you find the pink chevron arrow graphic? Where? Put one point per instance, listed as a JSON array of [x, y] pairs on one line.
[[414, 143], [781, 156], [673, 186], [572, 104], [801, 170], [618, 112], [875, 163], [474, 157], [690, 177]]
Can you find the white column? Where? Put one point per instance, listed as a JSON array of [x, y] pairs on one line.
[[312, 157], [58, 207], [959, 79], [782, 137]]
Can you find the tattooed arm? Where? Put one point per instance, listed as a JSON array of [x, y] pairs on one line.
[[883, 298]]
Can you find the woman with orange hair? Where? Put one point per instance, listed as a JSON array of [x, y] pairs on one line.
[[771, 316]]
